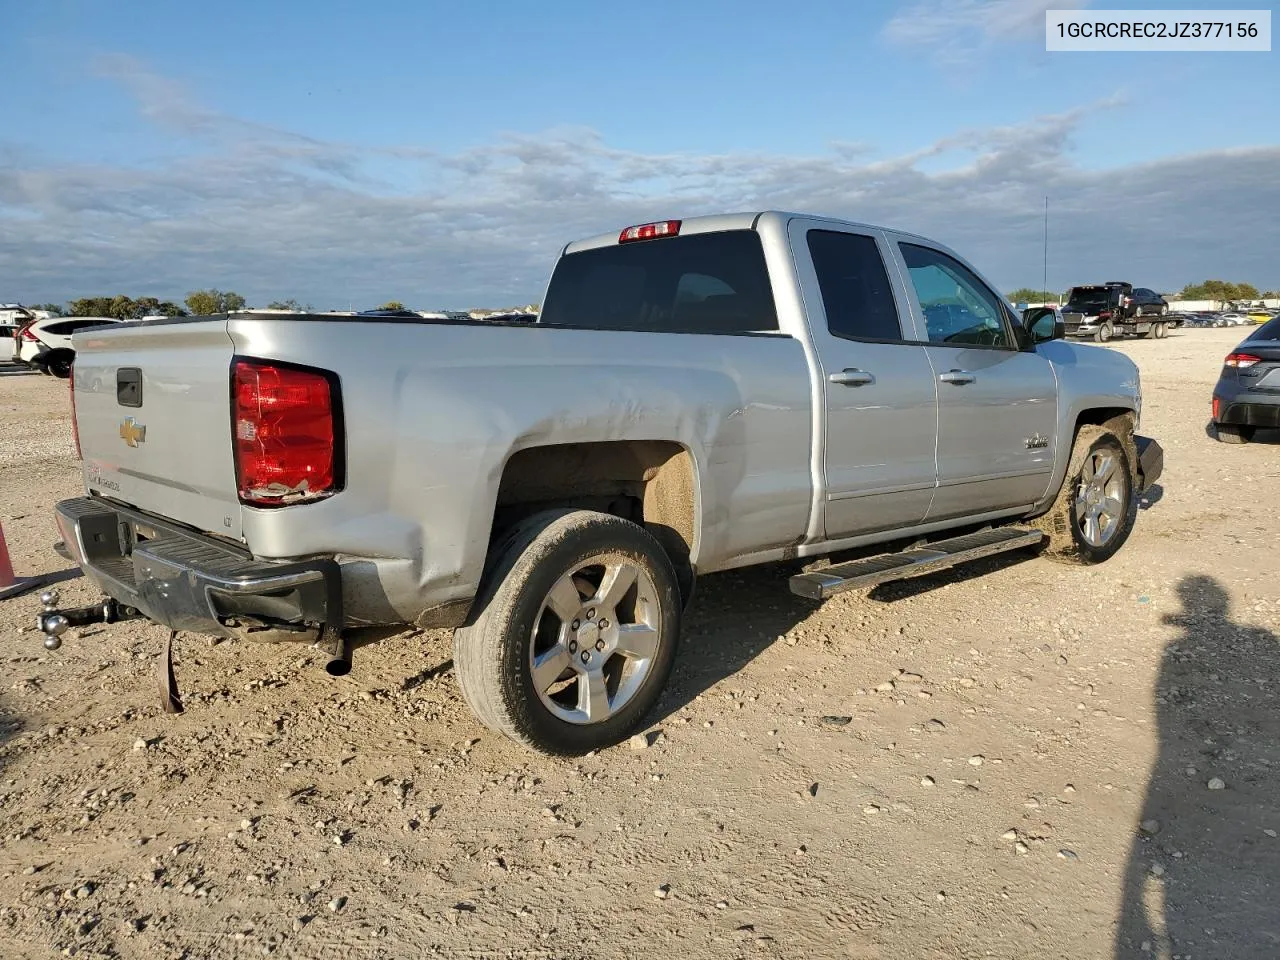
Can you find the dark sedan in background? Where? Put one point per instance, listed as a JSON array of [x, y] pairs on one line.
[[1247, 395]]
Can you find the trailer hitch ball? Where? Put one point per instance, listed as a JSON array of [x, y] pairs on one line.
[[49, 599], [54, 627]]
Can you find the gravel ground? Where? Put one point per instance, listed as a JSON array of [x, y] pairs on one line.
[[1017, 759]]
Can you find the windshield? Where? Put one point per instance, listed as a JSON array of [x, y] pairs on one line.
[[1088, 297]]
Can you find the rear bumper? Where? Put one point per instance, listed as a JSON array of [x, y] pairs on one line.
[[192, 582], [1150, 462], [1248, 408]]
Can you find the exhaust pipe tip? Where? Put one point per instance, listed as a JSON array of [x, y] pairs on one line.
[[338, 667]]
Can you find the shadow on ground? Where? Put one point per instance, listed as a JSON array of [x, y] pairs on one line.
[[736, 615], [1203, 879]]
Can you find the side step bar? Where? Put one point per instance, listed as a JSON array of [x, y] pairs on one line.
[[913, 562]]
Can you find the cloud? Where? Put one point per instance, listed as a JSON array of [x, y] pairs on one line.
[[273, 214], [961, 31]]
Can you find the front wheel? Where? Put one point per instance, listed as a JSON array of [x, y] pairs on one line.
[[1095, 509], [1103, 333], [573, 641]]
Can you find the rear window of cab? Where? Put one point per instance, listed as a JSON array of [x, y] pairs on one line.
[[696, 283]]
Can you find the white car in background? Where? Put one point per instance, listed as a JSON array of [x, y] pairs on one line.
[[45, 345]]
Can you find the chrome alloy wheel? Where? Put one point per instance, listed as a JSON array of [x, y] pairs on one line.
[[1100, 498], [595, 639]]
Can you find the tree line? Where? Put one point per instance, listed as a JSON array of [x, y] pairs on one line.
[[1209, 290], [197, 303]]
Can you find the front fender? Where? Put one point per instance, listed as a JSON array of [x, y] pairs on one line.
[[1089, 379]]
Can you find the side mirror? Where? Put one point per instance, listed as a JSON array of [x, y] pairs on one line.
[[1044, 324]]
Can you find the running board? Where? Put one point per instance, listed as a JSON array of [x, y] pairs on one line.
[[914, 562]]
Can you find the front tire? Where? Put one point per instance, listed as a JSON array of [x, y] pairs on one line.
[[573, 641], [1232, 433], [1103, 333], [1096, 508]]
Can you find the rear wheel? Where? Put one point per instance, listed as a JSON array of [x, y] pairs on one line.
[[1162, 330], [59, 364], [574, 639], [1232, 432], [1095, 509]]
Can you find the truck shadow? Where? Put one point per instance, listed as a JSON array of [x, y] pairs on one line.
[[1204, 860], [737, 615], [734, 617]]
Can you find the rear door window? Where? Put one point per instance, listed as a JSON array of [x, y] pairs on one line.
[[856, 294], [699, 283]]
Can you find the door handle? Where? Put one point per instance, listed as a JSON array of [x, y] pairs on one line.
[[852, 377], [957, 377]]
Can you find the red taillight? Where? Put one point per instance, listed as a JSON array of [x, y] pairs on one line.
[[648, 231], [1241, 359], [75, 430], [24, 332], [1217, 405], [285, 433]]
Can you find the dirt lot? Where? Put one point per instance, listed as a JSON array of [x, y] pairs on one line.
[[959, 766]]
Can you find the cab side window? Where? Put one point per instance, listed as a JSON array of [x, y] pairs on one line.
[[856, 295], [959, 310]]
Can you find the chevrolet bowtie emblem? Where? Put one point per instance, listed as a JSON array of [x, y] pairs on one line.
[[132, 432]]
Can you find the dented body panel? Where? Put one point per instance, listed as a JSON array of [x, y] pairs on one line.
[[434, 413]]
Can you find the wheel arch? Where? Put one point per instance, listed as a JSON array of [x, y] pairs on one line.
[[654, 483], [1111, 413]]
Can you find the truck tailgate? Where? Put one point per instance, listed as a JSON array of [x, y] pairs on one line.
[[153, 413]]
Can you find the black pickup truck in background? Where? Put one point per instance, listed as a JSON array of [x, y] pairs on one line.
[[1103, 310]]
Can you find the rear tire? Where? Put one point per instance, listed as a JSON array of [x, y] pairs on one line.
[[60, 365], [1232, 433], [1096, 507], [572, 641]]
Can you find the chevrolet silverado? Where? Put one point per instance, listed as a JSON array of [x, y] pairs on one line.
[[695, 395]]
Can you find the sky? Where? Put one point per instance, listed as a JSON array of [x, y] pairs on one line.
[[344, 154]]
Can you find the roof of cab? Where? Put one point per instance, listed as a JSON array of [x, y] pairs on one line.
[[727, 221]]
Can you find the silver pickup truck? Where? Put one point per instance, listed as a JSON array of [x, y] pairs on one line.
[[695, 396]]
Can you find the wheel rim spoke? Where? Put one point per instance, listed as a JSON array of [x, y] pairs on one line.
[[564, 599], [1091, 527], [593, 695], [637, 641], [548, 667], [592, 649], [1106, 466], [618, 579], [1112, 506]]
